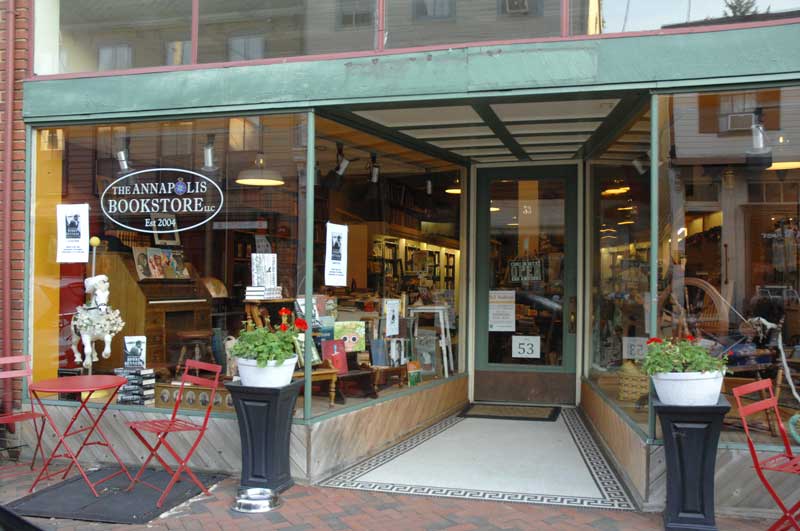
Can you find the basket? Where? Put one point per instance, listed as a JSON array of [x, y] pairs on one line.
[[633, 386]]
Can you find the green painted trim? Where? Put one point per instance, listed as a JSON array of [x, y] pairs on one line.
[[643, 63], [311, 165], [490, 118], [138, 409], [761, 447], [619, 120], [381, 399], [655, 159], [569, 172], [393, 135], [618, 410]]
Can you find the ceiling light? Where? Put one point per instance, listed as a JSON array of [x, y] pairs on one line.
[[493, 208], [260, 176], [626, 208], [626, 222], [608, 230], [608, 237], [615, 191], [512, 224], [455, 189], [208, 155], [374, 169], [794, 165]]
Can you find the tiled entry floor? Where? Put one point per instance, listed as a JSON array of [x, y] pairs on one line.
[[553, 463]]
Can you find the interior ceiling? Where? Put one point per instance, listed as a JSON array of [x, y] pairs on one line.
[[606, 129]]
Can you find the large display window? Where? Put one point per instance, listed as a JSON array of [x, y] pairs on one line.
[[200, 228], [729, 175]]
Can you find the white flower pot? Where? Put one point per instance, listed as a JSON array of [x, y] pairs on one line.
[[688, 388], [273, 375]]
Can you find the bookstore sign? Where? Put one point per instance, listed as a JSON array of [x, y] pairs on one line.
[[156, 200]]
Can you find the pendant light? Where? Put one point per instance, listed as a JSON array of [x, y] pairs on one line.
[[455, 189], [259, 175]]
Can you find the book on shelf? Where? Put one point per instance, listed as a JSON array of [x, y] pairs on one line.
[[122, 371]]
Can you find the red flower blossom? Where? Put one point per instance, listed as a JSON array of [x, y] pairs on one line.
[[301, 324], [285, 311], [283, 327], [690, 337], [654, 340]]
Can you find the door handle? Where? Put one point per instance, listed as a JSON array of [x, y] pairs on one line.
[[573, 315]]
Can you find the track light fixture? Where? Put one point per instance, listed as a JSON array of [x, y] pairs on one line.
[[374, 169], [208, 155], [122, 157]]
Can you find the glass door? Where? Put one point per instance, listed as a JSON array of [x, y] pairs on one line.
[[526, 316]]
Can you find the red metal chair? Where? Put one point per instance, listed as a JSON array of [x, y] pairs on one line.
[[162, 428], [20, 416], [785, 462]]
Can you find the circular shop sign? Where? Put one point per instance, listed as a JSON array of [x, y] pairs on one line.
[[156, 200]]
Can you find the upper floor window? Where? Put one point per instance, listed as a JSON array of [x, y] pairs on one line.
[[114, 57], [434, 9], [533, 8], [355, 13], [178, 53], [246, 47]]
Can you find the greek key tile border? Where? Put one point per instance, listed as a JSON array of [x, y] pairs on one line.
[[614, 495]]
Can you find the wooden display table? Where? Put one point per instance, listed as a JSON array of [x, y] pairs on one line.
[[322, 375], [383, 373]]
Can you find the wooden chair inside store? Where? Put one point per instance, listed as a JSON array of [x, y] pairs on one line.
[[163, 427], [705, 308], [8, 377], [198, 342], [785, 462]]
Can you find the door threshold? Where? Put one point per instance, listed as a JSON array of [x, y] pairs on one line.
[[522, 404]]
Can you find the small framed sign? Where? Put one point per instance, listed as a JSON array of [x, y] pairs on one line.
[[634, 348], [526, 347]]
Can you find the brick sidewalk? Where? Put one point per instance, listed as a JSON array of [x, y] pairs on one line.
[[312, 508]]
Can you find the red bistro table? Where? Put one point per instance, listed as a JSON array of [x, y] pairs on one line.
[[87, 386]]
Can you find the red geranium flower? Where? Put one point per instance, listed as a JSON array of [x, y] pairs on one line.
[[283, 327], [654, 340], [690, 337], [301, 324], [285, 311]]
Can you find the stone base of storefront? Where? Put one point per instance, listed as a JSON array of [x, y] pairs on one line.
[[319, 447], [738, 491]]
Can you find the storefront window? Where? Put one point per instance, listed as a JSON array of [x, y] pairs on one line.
[[620, 265], [402, 227], [589, 17], [426, 22], [184, 211], [729, 175], [98, 35]]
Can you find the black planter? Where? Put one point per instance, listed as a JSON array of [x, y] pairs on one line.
[[265, 425], [691, 435]]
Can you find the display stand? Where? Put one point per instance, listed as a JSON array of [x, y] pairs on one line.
[[441, 314], [691, 434], [265, 425]]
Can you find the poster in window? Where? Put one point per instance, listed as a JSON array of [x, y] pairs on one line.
[[73, 233], [392, 313], [336, 255]]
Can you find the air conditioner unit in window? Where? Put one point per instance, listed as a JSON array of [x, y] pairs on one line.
[[516, 7], [741, 121]]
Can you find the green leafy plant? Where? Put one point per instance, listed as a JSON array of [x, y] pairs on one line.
[[264, 344], [680, 355]]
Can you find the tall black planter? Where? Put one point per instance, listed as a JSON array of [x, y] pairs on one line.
[[691, 435], [265, 424]]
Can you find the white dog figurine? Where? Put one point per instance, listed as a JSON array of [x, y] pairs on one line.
[[95, 320]]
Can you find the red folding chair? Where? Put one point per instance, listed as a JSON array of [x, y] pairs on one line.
[[162, 428], [12, 417], [785, 462]]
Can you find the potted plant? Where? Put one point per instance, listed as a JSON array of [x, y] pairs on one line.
[[267, 357], [684, 372]]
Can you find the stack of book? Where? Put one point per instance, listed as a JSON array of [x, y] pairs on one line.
[[261, 293], [140, 389]]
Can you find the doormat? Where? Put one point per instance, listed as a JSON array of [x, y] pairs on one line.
[[509, 412], [72, 499]]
